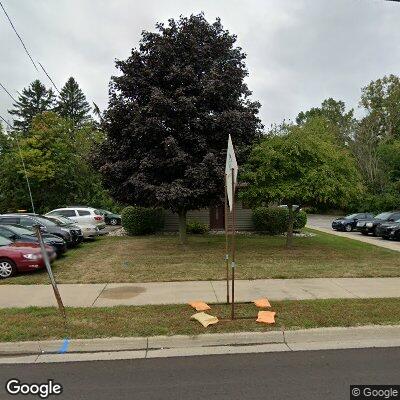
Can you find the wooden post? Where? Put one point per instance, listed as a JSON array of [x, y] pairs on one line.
[[233, 244], [226, 243]]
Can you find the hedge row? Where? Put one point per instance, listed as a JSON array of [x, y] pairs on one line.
[[275, 220], [142, 220]]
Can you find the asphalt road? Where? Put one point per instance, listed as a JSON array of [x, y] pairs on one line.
[[284, 376]]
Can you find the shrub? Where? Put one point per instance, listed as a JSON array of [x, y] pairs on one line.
[[141, 220], [196, 227], [274, 220], [300, 220]]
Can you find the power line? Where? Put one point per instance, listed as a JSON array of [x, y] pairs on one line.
[[51, 80], [8, 92], [19, 37], [23, 166], [26, 50]]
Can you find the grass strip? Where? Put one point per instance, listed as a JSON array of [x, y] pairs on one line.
[[45, 323]]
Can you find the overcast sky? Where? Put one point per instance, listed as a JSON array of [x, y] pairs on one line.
[[299, 52]]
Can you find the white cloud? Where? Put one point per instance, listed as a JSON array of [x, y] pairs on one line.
[[299, 52]]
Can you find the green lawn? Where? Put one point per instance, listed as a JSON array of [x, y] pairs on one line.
[[46, 323], [161, 258]]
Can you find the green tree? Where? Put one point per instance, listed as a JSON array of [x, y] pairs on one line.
[[57, 165], [34, 100], [343, 123], [72, 103], [381, 100], [170, 111], [302, 166]]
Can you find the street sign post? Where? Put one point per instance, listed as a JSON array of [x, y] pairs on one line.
[[231, 171]]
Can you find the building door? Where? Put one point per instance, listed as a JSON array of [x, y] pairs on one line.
[[217, 217]]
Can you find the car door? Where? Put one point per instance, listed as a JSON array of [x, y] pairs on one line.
[[84, 216], [69, 213], [6, 233]]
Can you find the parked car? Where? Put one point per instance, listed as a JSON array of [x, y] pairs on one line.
[[19, 234], [111, 218], [88, 231], [19, 257], [86, 215], [349, 222], [389, 230], [71, 236], [367, 226]]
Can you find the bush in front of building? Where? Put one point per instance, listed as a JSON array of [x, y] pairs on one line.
[[197, 227], [142, 220], [274, 220]]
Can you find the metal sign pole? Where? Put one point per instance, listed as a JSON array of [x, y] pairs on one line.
[[49, 271], [226, 244], [233, 244]]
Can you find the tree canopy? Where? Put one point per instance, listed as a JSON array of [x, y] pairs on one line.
[[170, 111], [303, 166], [72, 103], [56, 157], [32, 101]]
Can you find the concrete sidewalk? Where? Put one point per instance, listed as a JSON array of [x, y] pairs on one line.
[[206, 344], [113, 294]]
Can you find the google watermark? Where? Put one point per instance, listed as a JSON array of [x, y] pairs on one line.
[[373, 392], [42, 390]]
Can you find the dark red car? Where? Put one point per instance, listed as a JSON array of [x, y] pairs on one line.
[[19, 257]]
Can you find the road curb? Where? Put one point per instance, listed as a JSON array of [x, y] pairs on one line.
[[205, 344]]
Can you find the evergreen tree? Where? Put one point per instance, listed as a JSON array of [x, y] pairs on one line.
[[34, 100], [72, 103]]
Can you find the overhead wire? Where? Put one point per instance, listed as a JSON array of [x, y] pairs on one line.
[[23, 165]]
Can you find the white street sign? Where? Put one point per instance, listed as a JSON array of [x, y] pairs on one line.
[[231, 163]]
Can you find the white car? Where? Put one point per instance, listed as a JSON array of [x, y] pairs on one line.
[[89, 231], [84, 215]]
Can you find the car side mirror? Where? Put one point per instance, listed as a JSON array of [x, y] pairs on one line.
[[391, 220]]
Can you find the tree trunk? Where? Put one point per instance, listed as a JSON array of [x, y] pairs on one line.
[[182, 226], [289, 235]]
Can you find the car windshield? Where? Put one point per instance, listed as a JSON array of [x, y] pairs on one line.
[[19, 230], [61, 219], [351, 216], [4, 241], [384, 215], [45, 221]]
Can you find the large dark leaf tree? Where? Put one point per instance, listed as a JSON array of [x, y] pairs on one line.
[[177, 98]]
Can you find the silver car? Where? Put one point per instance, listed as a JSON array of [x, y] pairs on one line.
[[89, 231]]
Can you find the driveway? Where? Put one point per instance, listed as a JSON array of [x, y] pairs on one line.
[[323, 223]]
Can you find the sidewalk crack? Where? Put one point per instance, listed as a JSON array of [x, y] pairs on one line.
[[102, 290], [215, 293], [346, 290]]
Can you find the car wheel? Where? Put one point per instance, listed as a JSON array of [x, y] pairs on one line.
[[348, 228], [113, 221], [7, 268]]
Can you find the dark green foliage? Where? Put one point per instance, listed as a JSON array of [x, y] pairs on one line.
[[272, 220], [275, 220], [300, 220], [171, 108], [34, 100], [197, 227], [72, 103], [56, 159], [142, 220]]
